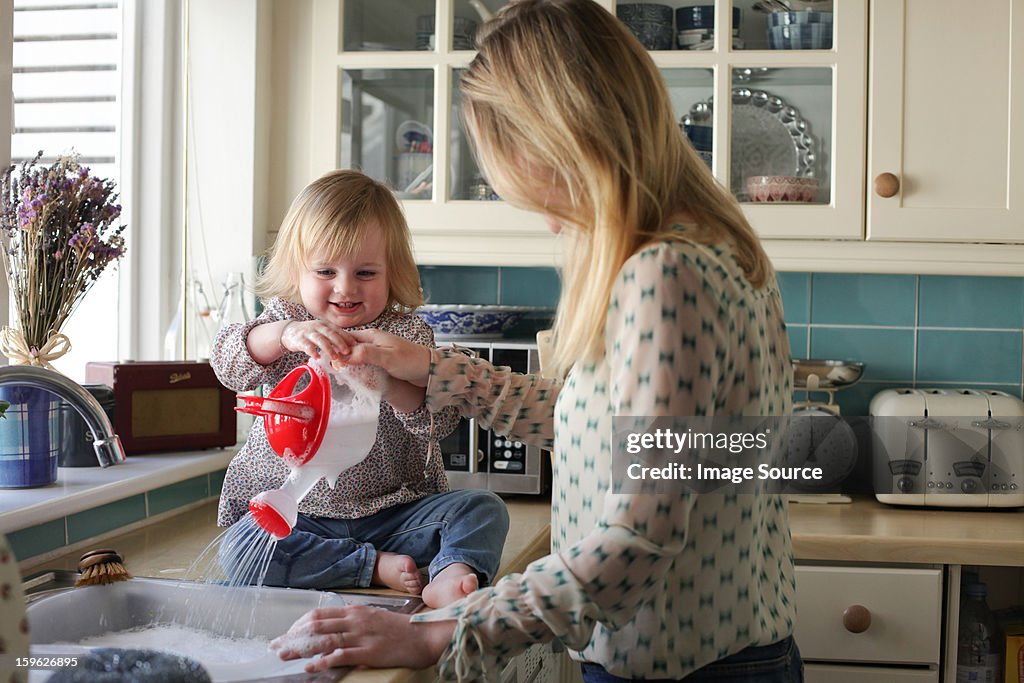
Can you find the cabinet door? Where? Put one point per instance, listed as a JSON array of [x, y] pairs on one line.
[[832, 673], [790, 112], [384, 100], [946, 121], [903, 610]]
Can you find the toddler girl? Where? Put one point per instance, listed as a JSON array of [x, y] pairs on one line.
[[343, 261]]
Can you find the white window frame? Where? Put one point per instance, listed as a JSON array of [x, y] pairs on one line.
[[152, 135]]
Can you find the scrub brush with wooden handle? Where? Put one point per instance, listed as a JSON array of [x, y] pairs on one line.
[[101, 566]]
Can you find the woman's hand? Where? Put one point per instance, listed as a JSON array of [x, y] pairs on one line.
[[400, 358], [363, 636]]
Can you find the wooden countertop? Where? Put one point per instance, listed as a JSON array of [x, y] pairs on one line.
[[868, 531]]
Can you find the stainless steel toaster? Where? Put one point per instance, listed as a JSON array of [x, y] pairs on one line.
[[948, 448]]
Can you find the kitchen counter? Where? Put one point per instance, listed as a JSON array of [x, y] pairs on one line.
[[78, 489], [868, 531]]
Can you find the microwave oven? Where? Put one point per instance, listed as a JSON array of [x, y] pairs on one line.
[[477, 458]]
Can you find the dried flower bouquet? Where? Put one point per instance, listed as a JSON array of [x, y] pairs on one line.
[[59, 235]]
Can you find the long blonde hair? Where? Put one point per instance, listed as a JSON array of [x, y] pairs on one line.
[[329, 219], [561, 89]]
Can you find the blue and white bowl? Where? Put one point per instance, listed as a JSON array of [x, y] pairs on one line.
[[650, 23], [644, 11], [469, 320]]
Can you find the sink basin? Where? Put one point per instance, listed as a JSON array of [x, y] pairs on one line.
[[61, 617]]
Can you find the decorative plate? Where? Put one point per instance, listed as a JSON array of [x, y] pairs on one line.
[[769, 137]]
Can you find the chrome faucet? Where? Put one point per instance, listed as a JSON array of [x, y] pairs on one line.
[[105, 441]]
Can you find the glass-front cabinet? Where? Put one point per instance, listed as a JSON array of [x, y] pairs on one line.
[[775, 108]]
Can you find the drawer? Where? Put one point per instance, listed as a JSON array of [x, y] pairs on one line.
[[905, 608], [835, 673]]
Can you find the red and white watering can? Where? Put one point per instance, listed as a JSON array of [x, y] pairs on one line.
[[320, 432]]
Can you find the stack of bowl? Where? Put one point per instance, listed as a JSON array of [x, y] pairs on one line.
[[650, 23], [802, 30], [696, 27]]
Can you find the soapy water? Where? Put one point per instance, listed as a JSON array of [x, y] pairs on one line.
[[204, 646]]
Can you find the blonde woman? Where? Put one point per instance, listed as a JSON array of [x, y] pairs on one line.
[[342, 262], [669, 308]]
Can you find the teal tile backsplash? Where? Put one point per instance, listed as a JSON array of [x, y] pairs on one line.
[[106, 518], [909, 330], [843, 299], [988, 302], [887, 353]]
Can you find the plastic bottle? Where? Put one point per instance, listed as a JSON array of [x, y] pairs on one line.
[[977, 656]]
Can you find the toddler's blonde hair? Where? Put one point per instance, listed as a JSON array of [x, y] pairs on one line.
[[328, 220]]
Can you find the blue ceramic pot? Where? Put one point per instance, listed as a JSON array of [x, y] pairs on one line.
[[29, 437]]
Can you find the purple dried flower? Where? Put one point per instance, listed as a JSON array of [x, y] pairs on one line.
[[59, 221]]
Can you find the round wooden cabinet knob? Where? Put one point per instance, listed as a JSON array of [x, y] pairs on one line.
[[886, 185], [856, 618]]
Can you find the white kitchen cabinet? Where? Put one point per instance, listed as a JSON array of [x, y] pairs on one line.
[[905, 89], [359, 84], [946, 121], [822, 89], [366, 94], [869, 623]]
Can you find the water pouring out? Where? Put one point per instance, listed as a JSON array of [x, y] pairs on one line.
[[319, 431]]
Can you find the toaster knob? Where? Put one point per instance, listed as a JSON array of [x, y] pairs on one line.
[[968, 485], [905, 484]]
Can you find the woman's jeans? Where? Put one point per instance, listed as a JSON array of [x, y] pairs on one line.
[[436, 531], [776, 663]]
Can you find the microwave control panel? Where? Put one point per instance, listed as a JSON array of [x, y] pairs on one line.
[[478, 458]]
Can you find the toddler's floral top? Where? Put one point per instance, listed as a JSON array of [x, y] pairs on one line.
[[403, 466]]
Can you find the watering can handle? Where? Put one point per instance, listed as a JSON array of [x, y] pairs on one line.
[[281, 401], [267, 407], [286, 386]]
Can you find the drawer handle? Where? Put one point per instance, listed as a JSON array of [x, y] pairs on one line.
[[886, 185], [857, 618]]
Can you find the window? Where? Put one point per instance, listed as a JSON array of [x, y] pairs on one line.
[[67, 84]]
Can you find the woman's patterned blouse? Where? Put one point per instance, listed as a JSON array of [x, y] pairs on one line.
[[647, 585], [403, 466]]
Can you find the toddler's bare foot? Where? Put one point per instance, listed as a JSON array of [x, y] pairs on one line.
[[452, 583], [398, 572]]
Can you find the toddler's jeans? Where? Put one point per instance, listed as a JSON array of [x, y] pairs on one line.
[[465, 526]]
